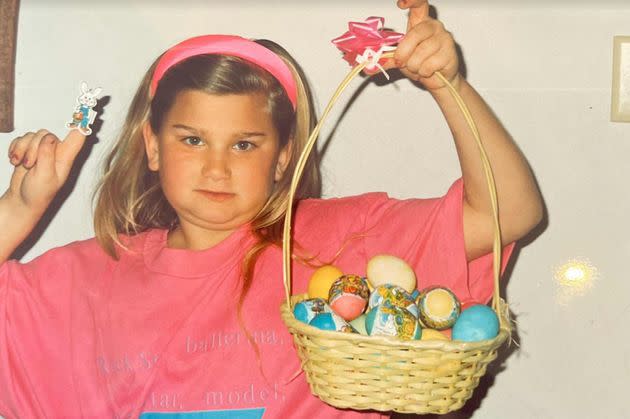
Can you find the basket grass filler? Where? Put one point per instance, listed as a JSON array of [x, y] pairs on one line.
[[385, 373]]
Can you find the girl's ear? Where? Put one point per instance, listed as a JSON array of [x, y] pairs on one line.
[[283, 160], [151, 146]]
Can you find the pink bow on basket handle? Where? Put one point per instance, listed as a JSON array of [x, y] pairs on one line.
[[366, 42]]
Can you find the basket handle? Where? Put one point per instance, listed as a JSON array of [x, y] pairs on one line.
[[286, 238]]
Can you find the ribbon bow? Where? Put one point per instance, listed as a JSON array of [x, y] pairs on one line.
[[366, 42]]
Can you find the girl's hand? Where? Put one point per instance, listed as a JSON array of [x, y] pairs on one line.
[[426, 48], [42, 164]]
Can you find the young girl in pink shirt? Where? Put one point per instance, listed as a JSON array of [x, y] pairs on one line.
[[173, 308]]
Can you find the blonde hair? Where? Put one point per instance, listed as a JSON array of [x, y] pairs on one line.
[[129, 199]]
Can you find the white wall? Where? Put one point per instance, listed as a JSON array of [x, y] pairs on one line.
[[545, 67]]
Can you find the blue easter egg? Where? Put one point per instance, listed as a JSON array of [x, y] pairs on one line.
[[369, 320], [324, 321], [301, 312], [477, 322], [306, 310]]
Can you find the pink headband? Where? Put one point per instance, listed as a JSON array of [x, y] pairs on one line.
[[228, 45]]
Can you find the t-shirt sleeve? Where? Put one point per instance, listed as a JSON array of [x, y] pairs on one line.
[[35, 330], [429, 235]]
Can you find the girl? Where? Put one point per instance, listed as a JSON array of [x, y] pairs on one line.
[[174, 306]]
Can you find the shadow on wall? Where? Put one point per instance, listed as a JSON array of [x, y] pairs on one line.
[[68, 187]]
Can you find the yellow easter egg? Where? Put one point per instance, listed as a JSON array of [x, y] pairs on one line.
[[432, 334], [321, 281]]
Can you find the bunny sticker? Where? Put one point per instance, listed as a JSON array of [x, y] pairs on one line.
[[84, 113]]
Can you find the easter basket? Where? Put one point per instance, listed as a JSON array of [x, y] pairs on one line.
[[381, 373]]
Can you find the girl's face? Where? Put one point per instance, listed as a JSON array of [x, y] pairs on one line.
[[218, 158]]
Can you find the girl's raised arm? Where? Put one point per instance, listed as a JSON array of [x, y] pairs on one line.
[[426, 48], [42, 164]]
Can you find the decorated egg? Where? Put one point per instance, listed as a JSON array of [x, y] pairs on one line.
[[306, 310], [396, 295], [332, 322], [388, 269], [321, 281], [389, 320], [438, 308], [432, 334], [478, 322], [359, 324], [348, 296]]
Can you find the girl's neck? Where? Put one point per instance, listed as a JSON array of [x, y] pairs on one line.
[[194, 239]]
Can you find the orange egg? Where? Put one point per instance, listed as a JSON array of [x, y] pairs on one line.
[[321, 281]]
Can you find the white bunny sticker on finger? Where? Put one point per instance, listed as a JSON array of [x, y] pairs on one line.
[[84, 113]]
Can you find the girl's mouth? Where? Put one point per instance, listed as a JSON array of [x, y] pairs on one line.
[[216, 196]]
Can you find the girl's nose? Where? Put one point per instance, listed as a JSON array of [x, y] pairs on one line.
[[217, 166]]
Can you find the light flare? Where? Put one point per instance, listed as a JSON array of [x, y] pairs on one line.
[[574, 278], [576, 273]]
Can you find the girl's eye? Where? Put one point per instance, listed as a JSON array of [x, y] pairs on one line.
[[244, 146], [193, 141]]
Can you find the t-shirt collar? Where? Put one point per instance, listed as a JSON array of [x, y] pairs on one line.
[[195, 263]]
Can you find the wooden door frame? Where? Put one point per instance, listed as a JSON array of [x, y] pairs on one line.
[[8, 42]]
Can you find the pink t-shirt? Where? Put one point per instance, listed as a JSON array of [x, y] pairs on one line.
[[155, 334]]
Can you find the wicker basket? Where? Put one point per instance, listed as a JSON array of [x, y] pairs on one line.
[[382, 373]]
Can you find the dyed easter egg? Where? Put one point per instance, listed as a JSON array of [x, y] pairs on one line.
[[332, 322], [388, 269], [396, 295], [359, 324], [438, 308], [432, 334], [321, 281], [348, 296], [389, 320], [478, 322], [306, 310]]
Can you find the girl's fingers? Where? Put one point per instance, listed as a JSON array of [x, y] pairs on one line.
[[431, 65], [13, 158], [25, 151], [422, 53], [18, 148], [45, 166], [415, 37], [30, 157]]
